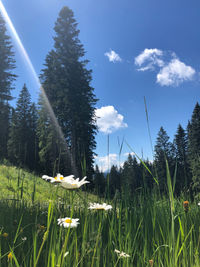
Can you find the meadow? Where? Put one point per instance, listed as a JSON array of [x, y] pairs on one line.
[[151, 230]]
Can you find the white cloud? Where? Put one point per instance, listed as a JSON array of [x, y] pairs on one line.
[[109, 120], [113, 56], [106, 162], [175, 73], [171, 70], [152, 58]]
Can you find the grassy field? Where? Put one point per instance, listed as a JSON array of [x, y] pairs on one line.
[[152, 230]]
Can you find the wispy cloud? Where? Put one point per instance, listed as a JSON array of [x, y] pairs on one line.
[[109, 120], [170, 70], [113, 56], [149, 57]]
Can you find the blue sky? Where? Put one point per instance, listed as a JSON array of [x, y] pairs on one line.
[[136, 48]]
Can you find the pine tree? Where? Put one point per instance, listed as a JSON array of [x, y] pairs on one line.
[[131, 176], [21, 144], [99, 181], [164, 150], [194, 146], [67, 84], [7, 64], [181, 151], [115, 180], [33, 162], [146, 180]]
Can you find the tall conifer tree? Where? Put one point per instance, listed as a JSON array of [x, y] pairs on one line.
[[164, 150], [130, 177], [7, 64], [194, 146], [22, 142], [181, 152], [67, 84]]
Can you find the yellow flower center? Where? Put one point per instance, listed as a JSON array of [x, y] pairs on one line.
[[68, 221], [61, 178], [100, 208], [10, 256], [55, 178]]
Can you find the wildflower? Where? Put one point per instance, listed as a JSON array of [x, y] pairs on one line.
[[97, 206], [70, 183], [67, 182], [186, 206], [66, 253], [151, 262], [198, 204], [68, 222], [5, 235], [24, 238], [122, 254], [56, 179], [10, 256]]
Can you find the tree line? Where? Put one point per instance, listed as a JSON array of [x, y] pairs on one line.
[[182, 156]]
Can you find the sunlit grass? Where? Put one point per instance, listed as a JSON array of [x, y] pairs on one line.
[[17, 184], [153, 230]]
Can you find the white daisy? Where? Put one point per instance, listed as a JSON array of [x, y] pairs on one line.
[[122, 254], [68, 222], [57, 179], [97, 206], [70, 183]]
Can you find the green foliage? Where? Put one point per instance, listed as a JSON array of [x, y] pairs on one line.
[[183, 175], [22, 143], [99, 181], [52, 149], [114, 180], [147, 227], [7, 64], [164, 150], [194, 146], [131, 174]]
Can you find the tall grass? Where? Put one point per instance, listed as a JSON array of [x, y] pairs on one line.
[[147, 227]]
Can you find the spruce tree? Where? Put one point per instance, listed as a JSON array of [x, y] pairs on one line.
[[22, 141], [130, 177], [7, 64], [194, 146], [66, 81], [99, 181], [164, 150], [115, 180], [33, 163], [181, 152]]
